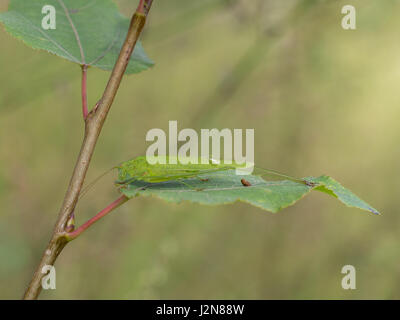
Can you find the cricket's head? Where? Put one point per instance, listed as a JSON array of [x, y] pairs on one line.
[[132, 169]]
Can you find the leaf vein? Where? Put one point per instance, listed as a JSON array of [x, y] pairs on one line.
[[100, 57], [49, 38], [78, 39]]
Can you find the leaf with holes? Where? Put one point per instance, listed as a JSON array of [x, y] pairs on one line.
[[87, 32]]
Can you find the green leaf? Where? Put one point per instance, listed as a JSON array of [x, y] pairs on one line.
[[225, 187], [333, 188], [87, 32]]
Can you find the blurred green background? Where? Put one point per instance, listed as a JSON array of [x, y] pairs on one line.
[[322, 100]]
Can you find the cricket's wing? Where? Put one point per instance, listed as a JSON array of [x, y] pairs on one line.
[[170, 174]]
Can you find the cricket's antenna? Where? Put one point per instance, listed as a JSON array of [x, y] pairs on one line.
[[277, 173], [91, 184]]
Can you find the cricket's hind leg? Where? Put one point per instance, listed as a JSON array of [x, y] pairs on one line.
[[190, 187]]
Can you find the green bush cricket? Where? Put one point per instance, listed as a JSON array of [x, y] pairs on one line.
[[139, 169]]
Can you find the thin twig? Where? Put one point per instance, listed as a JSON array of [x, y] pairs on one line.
[[74, 234], [85, 110], [93, 125], [145, 6]]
